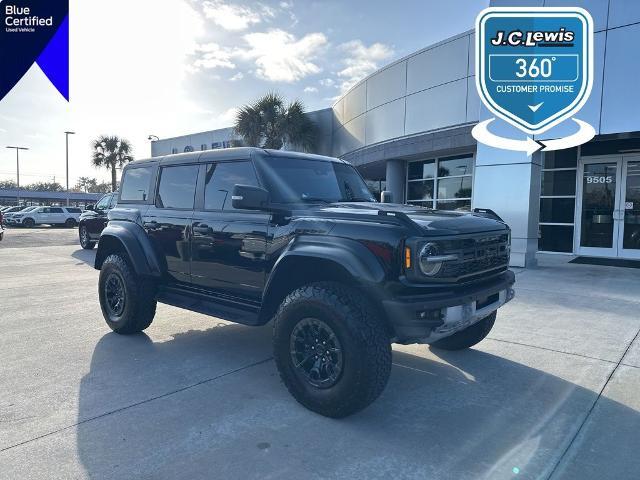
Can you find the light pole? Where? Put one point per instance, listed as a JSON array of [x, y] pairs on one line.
[[17, 149], [152, 138], [66, 137]]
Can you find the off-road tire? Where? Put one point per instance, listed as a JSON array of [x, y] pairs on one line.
[[468, 337], [139, 297], [83, 235], [29, 222], [364, 342]]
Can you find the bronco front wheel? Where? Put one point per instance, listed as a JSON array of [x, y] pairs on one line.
[[331, 349]]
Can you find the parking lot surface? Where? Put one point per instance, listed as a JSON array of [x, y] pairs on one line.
[[552, 393]]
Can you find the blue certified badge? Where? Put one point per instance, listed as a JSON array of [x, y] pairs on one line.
[[534, 66]]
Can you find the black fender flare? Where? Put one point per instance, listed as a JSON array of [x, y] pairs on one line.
[[357, 263], [135, 242]]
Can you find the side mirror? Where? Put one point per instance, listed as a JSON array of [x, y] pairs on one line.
[[247, 197], [386, 197], [90, 207]]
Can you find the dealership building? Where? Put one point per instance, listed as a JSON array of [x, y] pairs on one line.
[[407, 128]]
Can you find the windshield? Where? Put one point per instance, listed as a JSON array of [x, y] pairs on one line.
[[295, 180]]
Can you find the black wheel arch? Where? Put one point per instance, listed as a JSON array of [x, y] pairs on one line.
[[129, 239], [317, 259]]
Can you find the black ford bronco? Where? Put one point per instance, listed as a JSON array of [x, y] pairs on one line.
[[251, 235]]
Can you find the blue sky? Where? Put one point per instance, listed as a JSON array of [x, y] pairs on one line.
[[170, 67]]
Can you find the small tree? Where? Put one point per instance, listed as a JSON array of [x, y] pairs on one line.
[[84, 184], [269, 123], [8, 184], [111, 152]]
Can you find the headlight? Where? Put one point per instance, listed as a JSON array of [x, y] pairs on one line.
[[427, 259], [430, 259]]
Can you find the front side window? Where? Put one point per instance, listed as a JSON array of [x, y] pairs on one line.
[[296, 180], [103, 203], [136, 184], [220, 180], [177, 187]]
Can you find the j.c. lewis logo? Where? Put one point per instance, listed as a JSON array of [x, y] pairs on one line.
[[534, 66], [34, 31]]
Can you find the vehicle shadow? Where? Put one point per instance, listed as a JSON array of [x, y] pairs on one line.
[[195, 412], [85, 256]]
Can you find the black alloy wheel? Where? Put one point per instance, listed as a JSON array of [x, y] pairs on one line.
[[316, 353], [114, 294]]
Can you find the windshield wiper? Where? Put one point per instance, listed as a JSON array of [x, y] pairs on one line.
[[315, 199]]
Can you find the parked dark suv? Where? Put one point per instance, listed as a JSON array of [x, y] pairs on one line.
[[251, 235], [94, 219]]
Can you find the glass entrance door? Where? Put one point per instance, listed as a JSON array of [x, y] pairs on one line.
[[629, 208], [608, 218], [599, 198]]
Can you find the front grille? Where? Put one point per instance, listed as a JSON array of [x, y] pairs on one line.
[[476, 254]]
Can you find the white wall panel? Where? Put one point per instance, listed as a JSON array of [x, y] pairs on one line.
[[355, 103], [438, 65], [437, 107], [620, 99], [389, 84], [385, 122]]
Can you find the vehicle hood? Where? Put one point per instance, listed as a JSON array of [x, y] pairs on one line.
[[432, 222]]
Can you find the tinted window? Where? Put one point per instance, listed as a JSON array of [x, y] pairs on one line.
[[73, 210], [56, 210], [136, 184], [294, 180], [103, 204], [220, 180], [177, 187]]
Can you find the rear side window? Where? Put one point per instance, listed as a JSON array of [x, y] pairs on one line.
[[136, 184], [220, 180], [56, 210], [177, 187]]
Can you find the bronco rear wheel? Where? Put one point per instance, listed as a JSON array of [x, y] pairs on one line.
[[331, 349], [128, 301], [469, 336]]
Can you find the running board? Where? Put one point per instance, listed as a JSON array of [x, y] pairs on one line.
[[214, 306]]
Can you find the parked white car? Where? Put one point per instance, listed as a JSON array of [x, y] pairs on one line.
[[8, 217], [67, 216]]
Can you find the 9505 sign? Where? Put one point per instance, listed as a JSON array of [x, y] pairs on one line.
[[599, 179]]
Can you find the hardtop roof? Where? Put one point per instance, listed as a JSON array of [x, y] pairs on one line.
[[229, 154]]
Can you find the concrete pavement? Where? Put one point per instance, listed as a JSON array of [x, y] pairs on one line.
[[553, 393]]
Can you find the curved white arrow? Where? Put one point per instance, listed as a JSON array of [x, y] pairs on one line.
[[585, 133], [481, 133]]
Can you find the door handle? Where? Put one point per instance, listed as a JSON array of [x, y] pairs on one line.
[[202, 228], [153, 225]]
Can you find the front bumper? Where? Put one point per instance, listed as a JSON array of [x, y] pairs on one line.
[[430, 317]]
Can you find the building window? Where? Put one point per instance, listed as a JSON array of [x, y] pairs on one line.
[[445, 183], [558, 201]]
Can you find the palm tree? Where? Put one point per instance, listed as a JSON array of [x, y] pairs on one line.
[[269, 123], [111, 152]]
